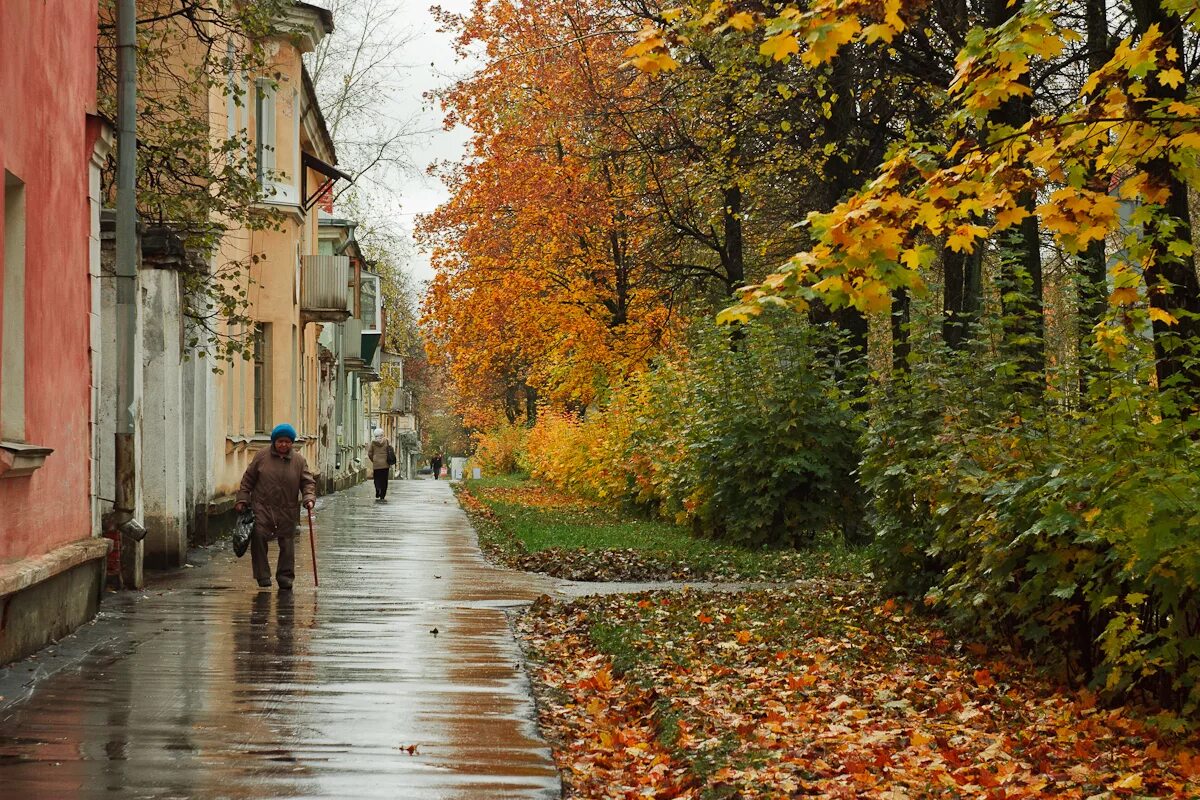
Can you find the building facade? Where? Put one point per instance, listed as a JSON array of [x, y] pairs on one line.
[[294, 291], [51, 148]]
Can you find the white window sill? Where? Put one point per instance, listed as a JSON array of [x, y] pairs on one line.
[[19, 460]]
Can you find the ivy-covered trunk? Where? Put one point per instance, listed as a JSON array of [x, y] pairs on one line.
[[1020, 275], [1170, 269]]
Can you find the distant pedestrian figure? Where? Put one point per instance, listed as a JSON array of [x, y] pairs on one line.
[[382, 457], [436, 464], [275, 484]]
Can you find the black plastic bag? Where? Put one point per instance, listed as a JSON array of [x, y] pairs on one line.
[[391, 455], [242, 531]]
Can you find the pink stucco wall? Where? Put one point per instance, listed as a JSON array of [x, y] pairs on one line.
[[47, 89]]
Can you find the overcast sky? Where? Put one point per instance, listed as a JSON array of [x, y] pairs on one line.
[[430, 63]]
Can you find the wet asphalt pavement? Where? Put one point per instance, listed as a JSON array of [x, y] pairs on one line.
[[204, 686]]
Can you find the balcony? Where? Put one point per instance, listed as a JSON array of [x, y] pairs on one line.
[[324, 288], [352, 330], [398, 401]]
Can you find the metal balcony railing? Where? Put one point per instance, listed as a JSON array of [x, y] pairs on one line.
[[325, 288]]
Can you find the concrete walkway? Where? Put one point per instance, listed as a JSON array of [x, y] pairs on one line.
[[206, 687]]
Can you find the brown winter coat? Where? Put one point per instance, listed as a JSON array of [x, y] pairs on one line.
[[377, 452], [273, 485]]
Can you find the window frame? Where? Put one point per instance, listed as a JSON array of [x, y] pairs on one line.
[[261, 358], [13, 265]]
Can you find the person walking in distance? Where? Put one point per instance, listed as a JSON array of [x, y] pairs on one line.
[[275, 484], [436, 464], [381, 456]]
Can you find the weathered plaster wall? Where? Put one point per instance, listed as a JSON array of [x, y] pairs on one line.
[[47, 89]]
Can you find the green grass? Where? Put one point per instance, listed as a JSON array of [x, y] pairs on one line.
[[605, 528]]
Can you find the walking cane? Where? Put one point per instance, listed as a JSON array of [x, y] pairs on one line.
[[312, 543]]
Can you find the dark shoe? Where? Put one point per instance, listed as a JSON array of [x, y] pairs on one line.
[[285, 587], [265, 582]]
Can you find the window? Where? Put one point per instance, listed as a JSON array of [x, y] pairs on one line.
[[262, 378], [231, 90], [12, 362], [369, 298], [264, 132]]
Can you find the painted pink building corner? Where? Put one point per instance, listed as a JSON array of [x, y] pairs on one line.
[[48, 139]]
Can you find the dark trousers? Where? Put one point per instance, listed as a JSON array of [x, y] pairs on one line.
[[381, 482], [285, 568]]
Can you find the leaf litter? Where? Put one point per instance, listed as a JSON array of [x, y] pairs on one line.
[[822, 690]]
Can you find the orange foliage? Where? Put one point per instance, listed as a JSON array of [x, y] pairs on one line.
[[539, 289]]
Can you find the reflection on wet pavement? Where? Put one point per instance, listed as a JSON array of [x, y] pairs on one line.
[[206, 687]]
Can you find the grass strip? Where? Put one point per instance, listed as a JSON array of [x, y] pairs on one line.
[[526, 525]]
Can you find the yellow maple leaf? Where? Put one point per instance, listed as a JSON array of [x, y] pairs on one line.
[[1045, 45], [1163, 316], [911, 259], [1010, 216], [962, 240], [919, 739], [1123, 296], [1130, 781], [891, 14], [879, 32], [1170, 77], [655, 63], [780, 46], [875, 297], [1190, 140], [824, 43], [741, 21]]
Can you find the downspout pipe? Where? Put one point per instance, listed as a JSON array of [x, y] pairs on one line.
[[125, 498]]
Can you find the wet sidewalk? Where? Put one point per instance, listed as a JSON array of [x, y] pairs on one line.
[[203, 686]]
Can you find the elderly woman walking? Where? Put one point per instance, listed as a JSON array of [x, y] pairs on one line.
[[381, 456], [274, 485]]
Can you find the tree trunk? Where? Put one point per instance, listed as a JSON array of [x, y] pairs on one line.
[[901, 316], [1093, 263], [531, 400], [1171, 279], [735, 261], [962, 295], [840, 179], [1020, 278]]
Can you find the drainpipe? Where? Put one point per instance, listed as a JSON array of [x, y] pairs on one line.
[[125, 503]]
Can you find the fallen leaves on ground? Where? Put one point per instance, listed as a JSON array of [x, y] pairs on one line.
[[825, 691], [537, 495]]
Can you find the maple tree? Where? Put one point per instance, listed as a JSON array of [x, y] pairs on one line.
[[540, 289]]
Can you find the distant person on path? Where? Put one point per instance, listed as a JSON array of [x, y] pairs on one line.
[[436, 464], [276, 481], [382, 457]]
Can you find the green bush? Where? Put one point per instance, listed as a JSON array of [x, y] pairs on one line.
[[1065, 522], [770, 443]]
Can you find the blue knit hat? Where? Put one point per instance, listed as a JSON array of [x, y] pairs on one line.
[[283, 429]]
